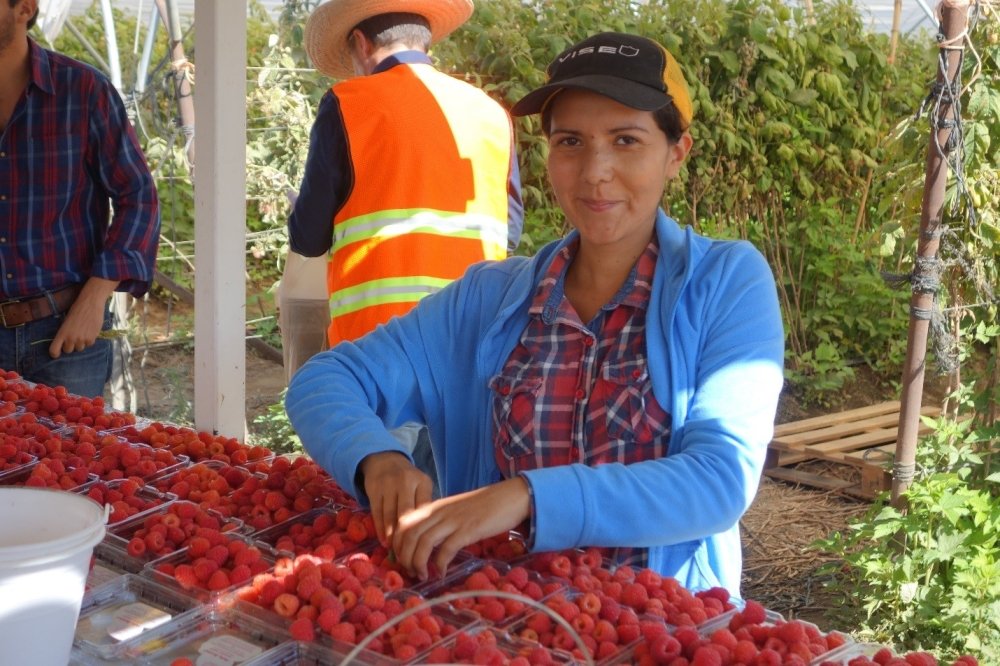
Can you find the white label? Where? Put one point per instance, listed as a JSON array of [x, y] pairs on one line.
[[132, 619], [226, 650]]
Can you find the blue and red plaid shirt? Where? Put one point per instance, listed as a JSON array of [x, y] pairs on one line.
[[576, 393], [67, 155]]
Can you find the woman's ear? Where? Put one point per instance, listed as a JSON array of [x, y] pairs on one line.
[[678, 152]]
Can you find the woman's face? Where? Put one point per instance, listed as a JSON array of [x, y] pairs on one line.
[[608, 165]]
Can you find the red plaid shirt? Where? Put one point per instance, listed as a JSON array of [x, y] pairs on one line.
[[576, 393]]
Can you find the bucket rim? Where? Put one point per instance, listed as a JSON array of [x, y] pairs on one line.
[[61, 547]]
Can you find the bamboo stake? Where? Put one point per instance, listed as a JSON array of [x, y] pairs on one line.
[[897, 13], [954, 23]]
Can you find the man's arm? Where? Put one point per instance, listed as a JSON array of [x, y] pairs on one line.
[[326, 183], [128, 256]]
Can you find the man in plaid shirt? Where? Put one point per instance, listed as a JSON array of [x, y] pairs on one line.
[[68, 155]]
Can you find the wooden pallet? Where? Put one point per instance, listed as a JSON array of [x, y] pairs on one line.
[[864, 438]]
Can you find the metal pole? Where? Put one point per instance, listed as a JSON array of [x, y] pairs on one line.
[[147, 51], [954, 22], [115, 69]]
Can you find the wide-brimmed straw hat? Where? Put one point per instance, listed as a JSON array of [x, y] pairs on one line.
[[330, 24]]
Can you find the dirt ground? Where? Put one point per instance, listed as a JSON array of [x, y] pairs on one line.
[[780, 568]]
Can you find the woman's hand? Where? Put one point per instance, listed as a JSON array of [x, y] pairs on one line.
[[441, 528], [394, 486]]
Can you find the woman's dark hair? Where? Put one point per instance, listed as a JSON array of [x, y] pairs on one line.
[[667, 119], [397, 28]]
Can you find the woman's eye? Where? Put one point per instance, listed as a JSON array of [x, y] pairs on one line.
[[568, 141], [627, 140]]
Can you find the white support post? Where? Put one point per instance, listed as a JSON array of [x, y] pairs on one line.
[[220, 218]]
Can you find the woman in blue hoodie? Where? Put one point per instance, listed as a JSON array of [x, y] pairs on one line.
[[618, 389]]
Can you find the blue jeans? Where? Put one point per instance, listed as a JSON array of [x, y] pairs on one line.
[[25, 349]]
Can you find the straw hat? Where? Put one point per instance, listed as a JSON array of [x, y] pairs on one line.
[[330, 24]]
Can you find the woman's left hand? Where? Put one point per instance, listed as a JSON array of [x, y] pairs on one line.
[[443, 527]]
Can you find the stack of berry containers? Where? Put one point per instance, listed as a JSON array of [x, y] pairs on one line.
[[309, 653], [108, 564], [204, 635], [319, 585], [122, 610]]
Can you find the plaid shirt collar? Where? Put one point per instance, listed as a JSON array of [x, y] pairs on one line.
[[550, 303], [41, 72]]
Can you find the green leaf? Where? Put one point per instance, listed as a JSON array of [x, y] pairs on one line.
[[803, 96]]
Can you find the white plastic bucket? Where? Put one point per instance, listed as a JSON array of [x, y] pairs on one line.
[[46, 541]]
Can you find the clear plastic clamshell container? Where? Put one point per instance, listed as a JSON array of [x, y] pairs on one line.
[[122, 609], [204, 636]]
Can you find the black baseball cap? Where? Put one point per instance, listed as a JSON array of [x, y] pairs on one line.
[[635, 71]]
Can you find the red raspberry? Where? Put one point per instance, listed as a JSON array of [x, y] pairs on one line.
[[136, 547], [302, 629], [219, 580], [635, 595], [561, 566], [218, 554], [328, 619], [286, 604], [791, 632], [361, 567], [753, 613], [478, 580], [744, 651], [185, 576], [373, 597], [492, 610], [883, 656], [393, 580], [921, 659], [768, 657], [518, 577], [204, 568], [344, 631], [706, 656]]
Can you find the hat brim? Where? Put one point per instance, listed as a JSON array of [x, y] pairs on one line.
[[623, 91], [330, 24]]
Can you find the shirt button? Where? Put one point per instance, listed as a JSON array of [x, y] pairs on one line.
[[3, 239], [636, 373], [3, 197], [3, 154], [580, 394], [10, 276], [587, 342], [505, 390]]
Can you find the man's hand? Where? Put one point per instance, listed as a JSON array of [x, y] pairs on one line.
[[83, 322], [441, 528], [394, 486]]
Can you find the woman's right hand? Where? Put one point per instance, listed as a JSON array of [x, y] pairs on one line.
[[394, 486]]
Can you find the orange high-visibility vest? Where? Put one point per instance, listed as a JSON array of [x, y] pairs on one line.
[[431, 158]]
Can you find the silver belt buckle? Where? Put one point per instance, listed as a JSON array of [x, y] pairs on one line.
[[3, 313]]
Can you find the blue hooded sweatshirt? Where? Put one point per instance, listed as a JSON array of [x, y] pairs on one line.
[[715, 347]]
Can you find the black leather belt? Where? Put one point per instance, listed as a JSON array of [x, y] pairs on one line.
[[18, 312]]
